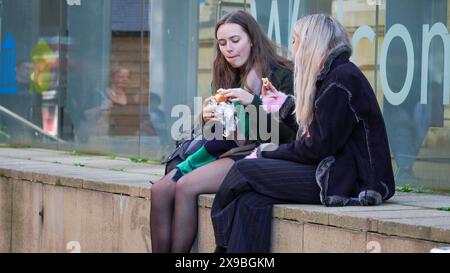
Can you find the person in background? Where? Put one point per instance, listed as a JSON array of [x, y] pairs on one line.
[[120, 79]]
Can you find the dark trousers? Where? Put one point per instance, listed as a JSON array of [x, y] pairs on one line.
[[242, 209]]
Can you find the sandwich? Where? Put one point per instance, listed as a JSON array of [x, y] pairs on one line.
[[219, 97], [266, 83]]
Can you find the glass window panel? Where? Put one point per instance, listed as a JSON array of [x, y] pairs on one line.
[[105, 75], [173, 70], [417, 122], [80, 68], [30, 62]]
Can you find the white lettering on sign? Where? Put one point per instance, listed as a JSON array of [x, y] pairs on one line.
[[396, 98], [396, 31], [73, 2], [293, 21], [438, 29], [340, 10], [360, 33], [274, 22], [253, 8]]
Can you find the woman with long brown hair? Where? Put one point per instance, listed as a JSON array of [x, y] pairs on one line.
[[244, 55]]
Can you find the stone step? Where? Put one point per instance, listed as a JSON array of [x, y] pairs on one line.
[[50, 200], [407, 223]]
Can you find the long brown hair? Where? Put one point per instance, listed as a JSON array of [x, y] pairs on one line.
[[263, 56]]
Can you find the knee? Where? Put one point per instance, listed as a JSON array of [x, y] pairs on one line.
[[161, 188], [155, 189], [155, 192], [183, 188]]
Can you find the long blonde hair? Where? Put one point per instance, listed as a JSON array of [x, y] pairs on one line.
[[318, 35]]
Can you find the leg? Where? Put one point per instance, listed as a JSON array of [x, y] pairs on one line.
[[206, 179], [247, 194], [280, 179], [208, 153], [252, 225], [161, 212], [244, 225]]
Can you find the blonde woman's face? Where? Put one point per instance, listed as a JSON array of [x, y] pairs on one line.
[[295, 46], [234, 44]]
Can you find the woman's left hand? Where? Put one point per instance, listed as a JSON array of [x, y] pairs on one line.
[[238, 94]]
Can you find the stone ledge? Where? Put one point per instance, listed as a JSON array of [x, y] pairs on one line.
[[410, 219], [109, 181], [91, 173], [391, 218]]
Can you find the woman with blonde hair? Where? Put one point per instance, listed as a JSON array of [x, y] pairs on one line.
[[340, 157]]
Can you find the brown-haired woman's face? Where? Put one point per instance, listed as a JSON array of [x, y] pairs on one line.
[[234, 44]]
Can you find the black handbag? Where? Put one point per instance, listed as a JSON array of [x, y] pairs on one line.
[[183, 149]]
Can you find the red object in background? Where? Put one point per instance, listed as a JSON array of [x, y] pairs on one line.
[[50, 119]]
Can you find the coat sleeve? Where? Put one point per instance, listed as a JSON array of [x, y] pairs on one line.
[[331, 127]]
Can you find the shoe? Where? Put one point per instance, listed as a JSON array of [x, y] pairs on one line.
[[370, 198]]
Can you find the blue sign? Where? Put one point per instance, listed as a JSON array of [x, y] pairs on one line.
[[8, 83]]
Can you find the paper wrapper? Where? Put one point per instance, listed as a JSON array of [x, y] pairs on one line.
[[226, 115]]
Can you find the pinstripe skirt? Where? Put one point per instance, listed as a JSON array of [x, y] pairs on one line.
[[242, 209]]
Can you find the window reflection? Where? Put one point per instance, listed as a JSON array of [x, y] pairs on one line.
[[105, 75]]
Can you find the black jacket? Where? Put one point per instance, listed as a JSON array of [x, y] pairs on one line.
[[348, 137]]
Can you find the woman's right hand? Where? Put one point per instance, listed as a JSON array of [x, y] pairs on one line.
[[208, 112], [272, 99]]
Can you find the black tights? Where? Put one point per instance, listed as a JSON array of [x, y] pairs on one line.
[[173, 214]]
